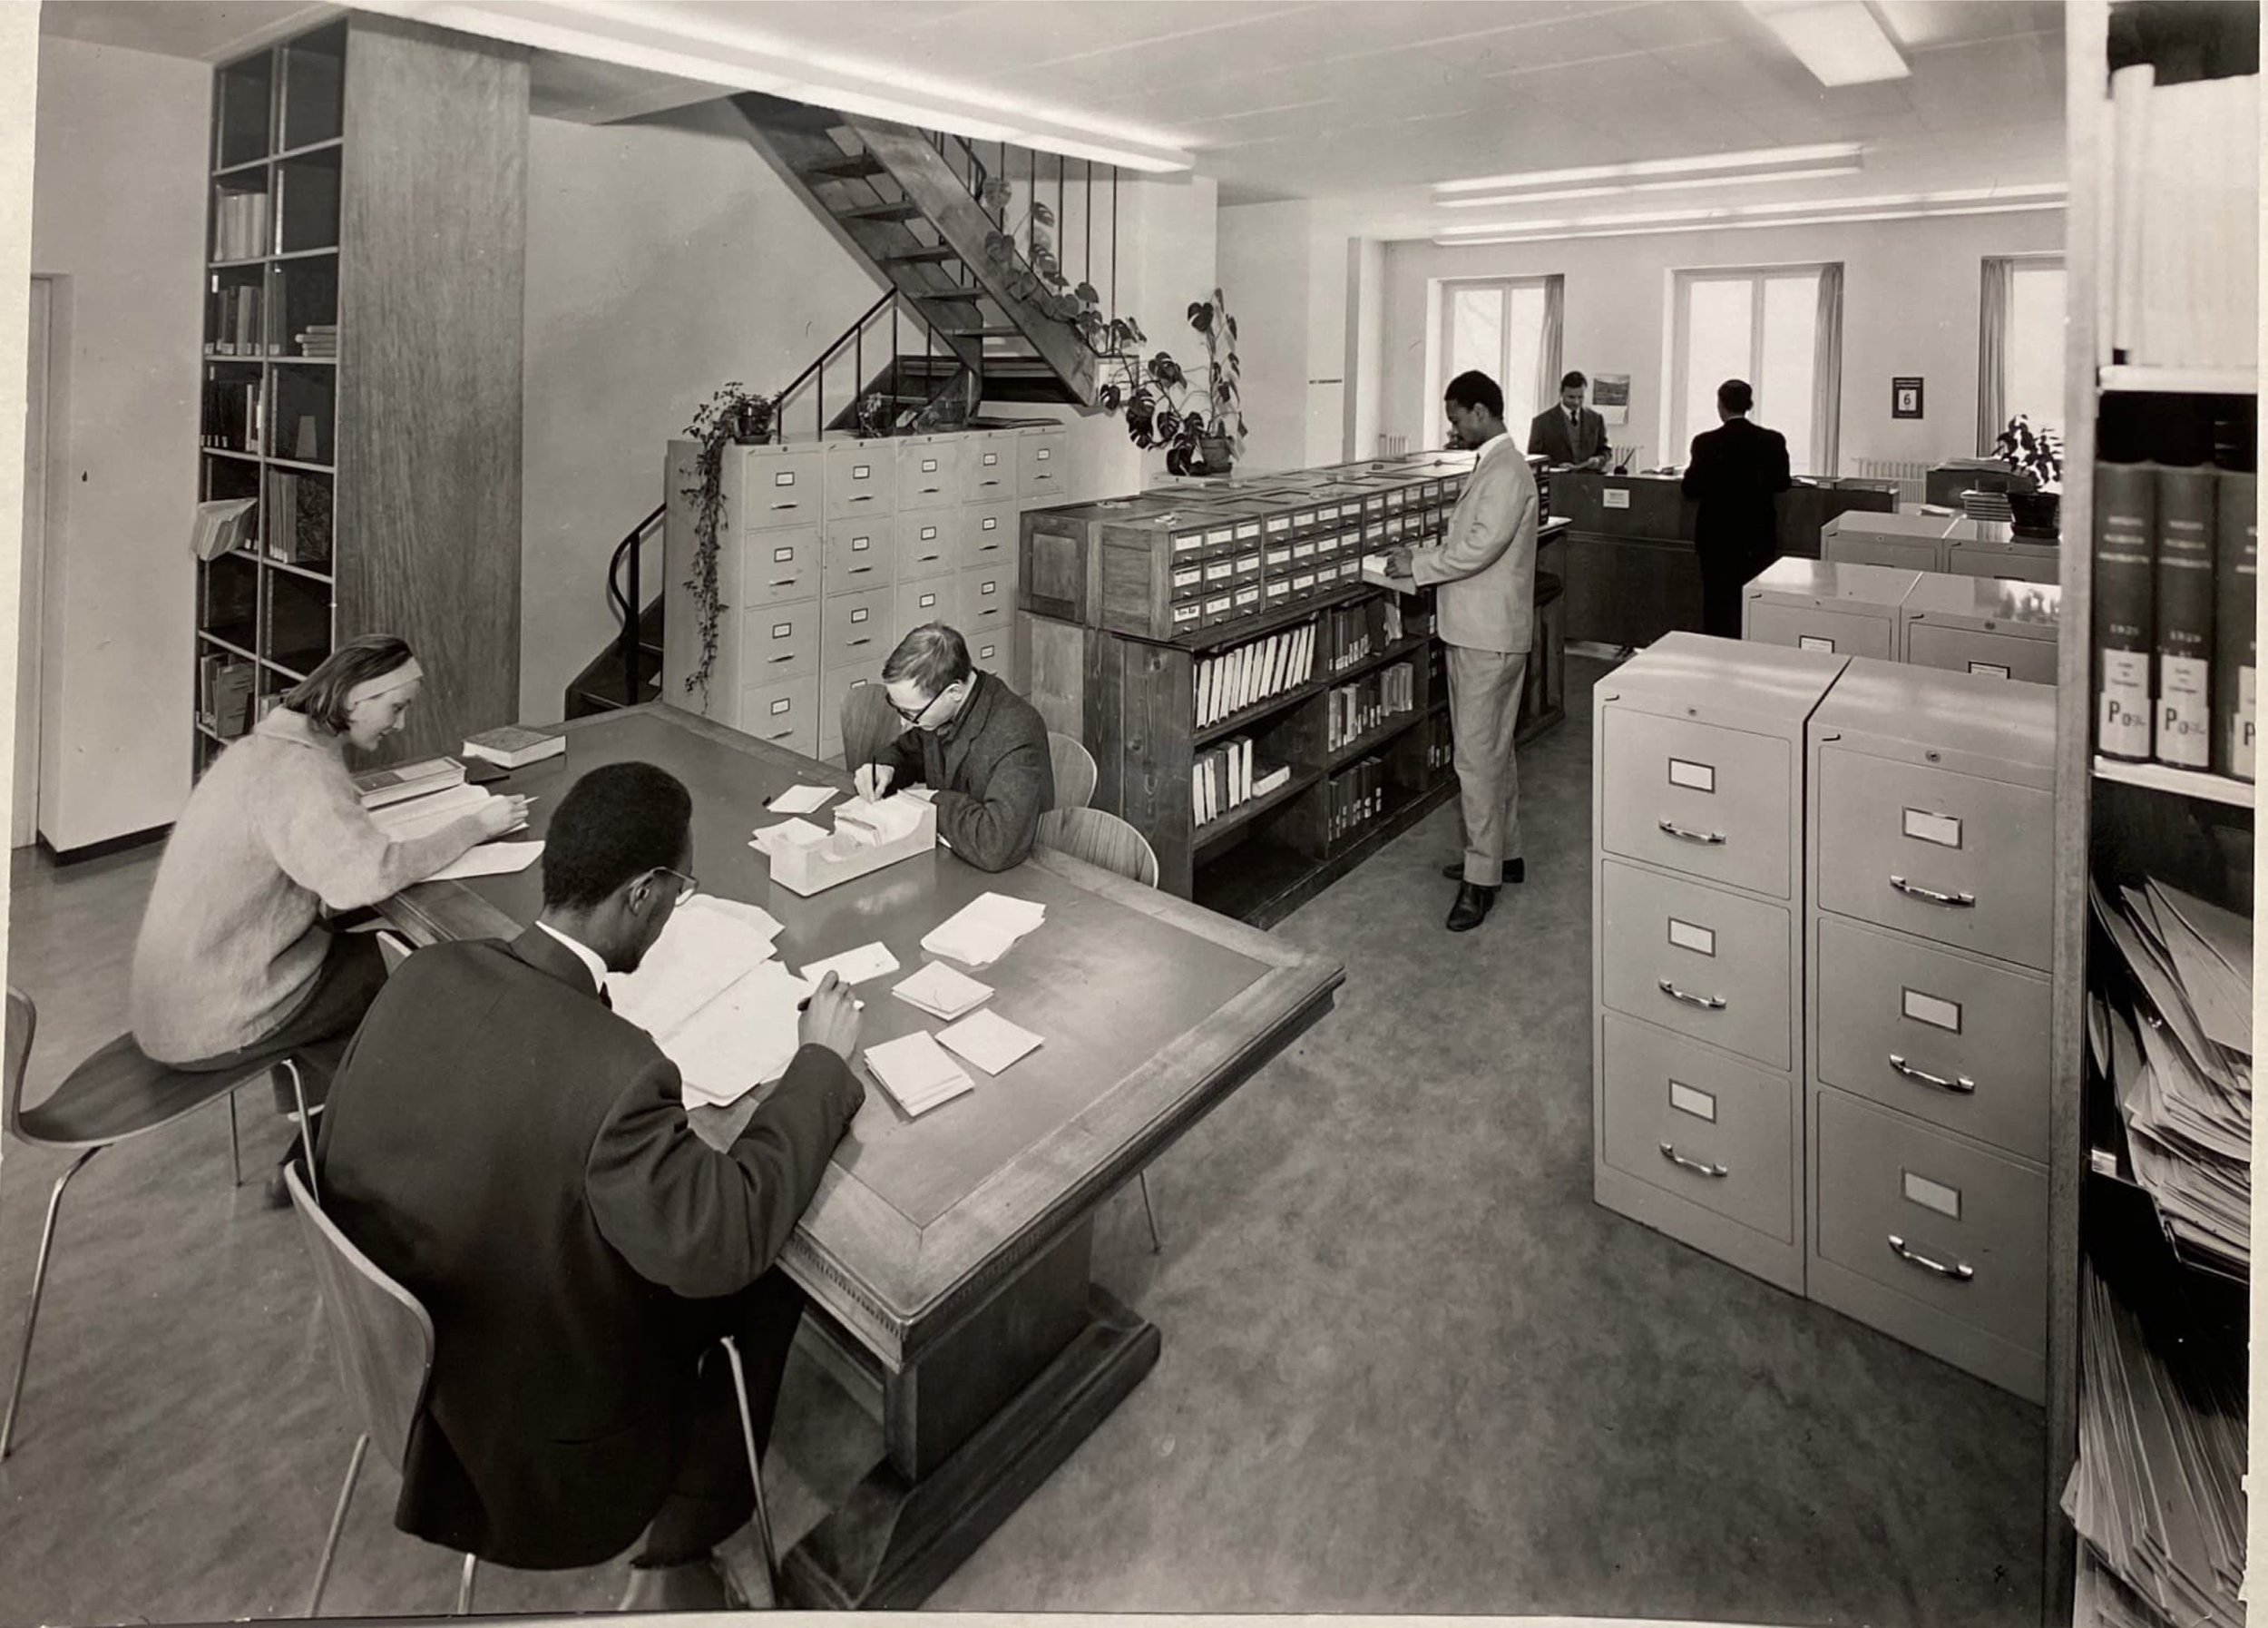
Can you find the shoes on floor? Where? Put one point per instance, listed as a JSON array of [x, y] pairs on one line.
[[1515, 870], [1472, 907], [700, 1584]]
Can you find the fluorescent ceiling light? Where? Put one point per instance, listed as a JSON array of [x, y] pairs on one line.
[[1919, 213], [1697, 163], [1498, 200], [2047, 194], [1838, 40]]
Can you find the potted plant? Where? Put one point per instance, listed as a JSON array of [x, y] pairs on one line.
[[732, 418], [2037, 455], [1202, 439], [1222, 437]]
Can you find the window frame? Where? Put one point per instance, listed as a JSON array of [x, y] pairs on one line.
[[1442, 345], [1677, 438]]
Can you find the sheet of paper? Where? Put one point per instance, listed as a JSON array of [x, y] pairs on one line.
[[744, 1038], [802, 800], [702, 952], [941, 992], [892, 819], [770, 838], [491, 860], [983, 930], [420, 816], [854, 965], [917, 1072], [755, 915], [919, 793], [990, 1040]]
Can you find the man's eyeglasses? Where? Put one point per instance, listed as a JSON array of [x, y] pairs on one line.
[[689, 887], [922, 711]]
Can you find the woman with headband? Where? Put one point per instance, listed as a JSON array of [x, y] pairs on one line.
[[234, 959]]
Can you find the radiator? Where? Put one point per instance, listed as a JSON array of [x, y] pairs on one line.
[[1393, 446], [1911, 474]]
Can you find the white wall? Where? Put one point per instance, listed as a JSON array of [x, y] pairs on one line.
[[1365, 345], [1910, 306], [119, 215]]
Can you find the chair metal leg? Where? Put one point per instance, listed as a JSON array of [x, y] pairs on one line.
[[235, 1154], [39, 1283], [465, 1587], [756, 1471], [1150, 1212], [306, 1127], [339, 1524]]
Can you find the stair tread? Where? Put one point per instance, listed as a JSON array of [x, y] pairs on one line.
[[986, 333], [849, 167], [882, 212], [932, 255]]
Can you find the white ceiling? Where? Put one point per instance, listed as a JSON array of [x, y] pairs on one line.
[[1361, 103]]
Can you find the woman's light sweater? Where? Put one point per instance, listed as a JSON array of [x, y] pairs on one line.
[[231, 942]]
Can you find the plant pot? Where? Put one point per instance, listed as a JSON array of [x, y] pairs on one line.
[[2037, 514], [1220, 453]]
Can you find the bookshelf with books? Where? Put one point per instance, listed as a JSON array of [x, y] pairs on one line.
[[379, 456], [2150, 1115]]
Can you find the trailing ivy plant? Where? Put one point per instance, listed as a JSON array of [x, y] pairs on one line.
[[733, 416]]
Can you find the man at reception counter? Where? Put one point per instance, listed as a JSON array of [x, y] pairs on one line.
[[1735, 472], [1571, 436]]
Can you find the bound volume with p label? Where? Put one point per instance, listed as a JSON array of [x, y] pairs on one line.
[[2184, 616], [2237, 550], [2125, 618]]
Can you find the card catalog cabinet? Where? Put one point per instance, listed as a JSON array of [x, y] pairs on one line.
[[1978, 624], [1697, 802], [1904, 541], [1838, 610], [1930, 847], [828, 553]]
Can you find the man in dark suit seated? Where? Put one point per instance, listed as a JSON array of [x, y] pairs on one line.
[[1572, 434], [518, 1158], [1735, 472], [973, 741]]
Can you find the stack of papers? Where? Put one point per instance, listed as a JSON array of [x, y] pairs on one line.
[[871, 824], [769, 839], [710, 944], [854, 965], [2177, 1049], [941, 992], [917, 1072], [802, 800], [2158, 1489], [491, 860], [423, 816], [745, 1038], [990, 1040], [981, 932]]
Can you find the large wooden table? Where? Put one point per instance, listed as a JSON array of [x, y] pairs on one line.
[[948, 1257]]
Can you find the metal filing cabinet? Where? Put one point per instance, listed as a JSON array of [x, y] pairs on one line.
[[1977, 625], [1698, 802], [1837, 610], [1996, 553], [1905, 542], [1930, 844]]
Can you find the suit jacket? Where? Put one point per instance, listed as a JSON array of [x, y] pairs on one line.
[[1485, 563], [518, 1158], [1734, 473], [1548, 434], [991, 771]]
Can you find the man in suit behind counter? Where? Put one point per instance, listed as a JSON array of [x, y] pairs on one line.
[[517, 1156], [1485, 567], [1572, 434], [1735, 472]]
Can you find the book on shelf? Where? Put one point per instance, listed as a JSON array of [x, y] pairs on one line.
[[2182, 539], [377, 788], [220, 525], [224, 694], [1251, 673], [2236, 650], [1369, 702], [1357, 797], [299, 528], [240, 226], [515, 745], [318, 340]]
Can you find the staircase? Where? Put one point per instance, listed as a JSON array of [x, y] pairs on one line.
[[629, 670]]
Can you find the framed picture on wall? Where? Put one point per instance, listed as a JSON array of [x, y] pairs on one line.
[[1610, 397], [1905, 399]]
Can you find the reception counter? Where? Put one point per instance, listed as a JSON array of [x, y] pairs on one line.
[[1630, 571]]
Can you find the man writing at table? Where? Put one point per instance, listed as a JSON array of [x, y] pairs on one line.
[[518, 1158], [1485, 567], [973, 741]]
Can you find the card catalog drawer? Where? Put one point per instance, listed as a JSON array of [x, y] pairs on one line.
[[988, 601], [1830, 632], [1957, 1228], [862, 478], [995, 650], [988, 536], [934, 599], [858, 628], [1956, 1041], [1699, 1125], [779, 565], [1951, 857], [862, 554], [991, 469], [929, 542], [1041, 475], [1700, 960], [778, 488], [784, 714], [1698, 797], [931, 474], [1973, 650], [833, 691], [779, 642]]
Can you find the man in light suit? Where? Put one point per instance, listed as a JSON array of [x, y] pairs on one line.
[[517, 1156], [1485, 570], [1572, 434]]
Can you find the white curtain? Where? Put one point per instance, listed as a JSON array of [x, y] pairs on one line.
[[1548, 370], [1992, 351], [1827, 373]]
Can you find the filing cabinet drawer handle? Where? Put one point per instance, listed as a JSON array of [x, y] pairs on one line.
[[1959, 1272], [1951, 901], [1706, 839], [1715, 1170], [791, 656], [1710, 1003], [785, 505], [783, 582], [1961, 1082]]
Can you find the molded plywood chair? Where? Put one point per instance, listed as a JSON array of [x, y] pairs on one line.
[[1074, 771], [869, 724], [383, 1343], [114, 1096], [1103, 840]]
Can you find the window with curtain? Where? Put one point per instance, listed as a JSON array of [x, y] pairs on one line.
[[1508, 328], [2019, 346], [1780, 328]]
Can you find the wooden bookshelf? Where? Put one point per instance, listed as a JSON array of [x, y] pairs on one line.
[[387, 159]]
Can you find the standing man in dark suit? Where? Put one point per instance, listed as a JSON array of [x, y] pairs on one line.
[[1735, 472], [518, 1157], [1570, 433]]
